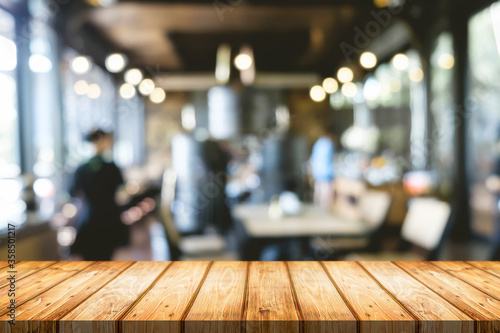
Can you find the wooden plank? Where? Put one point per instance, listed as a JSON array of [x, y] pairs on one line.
[[271, 305], [433, 312], [101, 311], [24, 269], [321, 306], [41, 313], [492, 267], [220, 302], [376, 310], [164, 306], [3, 263], [476, 304], [40, 281], [483, 281]]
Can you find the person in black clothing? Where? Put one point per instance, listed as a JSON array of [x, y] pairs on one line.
[[100, 230]]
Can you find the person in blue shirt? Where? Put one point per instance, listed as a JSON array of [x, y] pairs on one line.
[[323, 170]]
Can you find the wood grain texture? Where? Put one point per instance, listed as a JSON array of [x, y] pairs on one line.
[[163, 307], [476, 304], [40, 281], [271, 306], [220, 302], [377, 311], [321, 306], [492, 267], [255, 297], [101, 311], [433, 312], [41, 313], [23, 269], [474, 276]]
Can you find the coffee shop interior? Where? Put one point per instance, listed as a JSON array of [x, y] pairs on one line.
[[250, 129]]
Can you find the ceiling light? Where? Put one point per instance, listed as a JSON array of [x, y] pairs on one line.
[[40, 64], [243, 61], [80, 65], [223, 65], [127, 91], [400, 61], [349, 89], [133, 76], [94, 91], [116, 62], [330, 85], [81, 87], [368, 60], [446, 61], [416, 74], [146, 87], [345, 75], [157, 96], [317, 94]]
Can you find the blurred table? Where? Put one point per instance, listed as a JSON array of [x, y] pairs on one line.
[[313, 221], [253, 297], [290, 235]]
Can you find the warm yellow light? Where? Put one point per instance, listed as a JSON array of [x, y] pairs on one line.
[[116, 62], [395, 84], [147, 87], [81, 87], [400, 61], [127, 91], [345, 75], [94, 91], [243, 61], [157, 96], [381, 3], [349, 89], [317, 94], [330, 85], [446, 61], [368, 60], [133, 76], [80, 65], [416, 74]]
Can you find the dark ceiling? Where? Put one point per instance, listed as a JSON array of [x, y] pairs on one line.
[[183, 36]]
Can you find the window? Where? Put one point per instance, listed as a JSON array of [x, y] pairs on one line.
[[483, 106]]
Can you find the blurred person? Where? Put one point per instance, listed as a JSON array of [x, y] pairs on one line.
[[96, 182], [322, 169]]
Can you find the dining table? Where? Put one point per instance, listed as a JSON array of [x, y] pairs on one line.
[[238, 296], [257, 229]]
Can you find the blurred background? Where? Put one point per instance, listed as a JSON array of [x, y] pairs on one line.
[[251, 130]]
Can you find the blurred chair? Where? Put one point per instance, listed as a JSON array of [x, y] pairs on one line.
[[193, 248], [348, 193], [373, 207], [423, 230]]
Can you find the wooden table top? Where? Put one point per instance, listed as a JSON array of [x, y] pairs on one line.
[[253, 297], [313, 221]]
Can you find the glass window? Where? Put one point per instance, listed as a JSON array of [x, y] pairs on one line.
[[11, 205], [9, 143], [483, 104], [442, 110]]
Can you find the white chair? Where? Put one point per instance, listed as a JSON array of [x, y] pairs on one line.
[[192, 248], [373, 207], [423, 227]]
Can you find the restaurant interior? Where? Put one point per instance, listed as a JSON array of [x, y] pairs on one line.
[[250, 130]]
